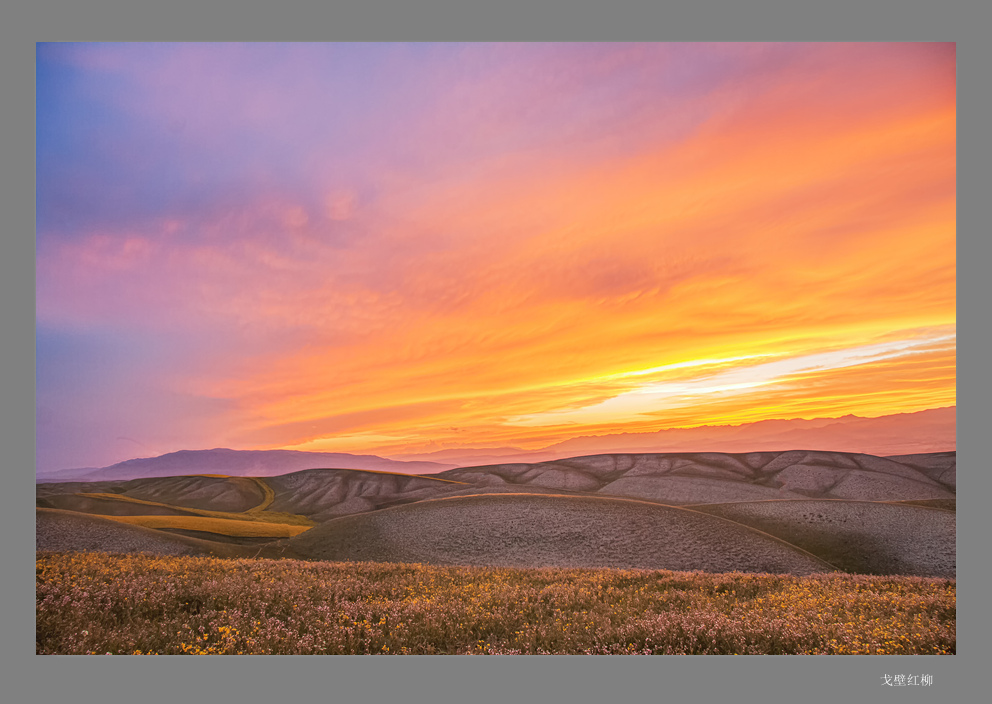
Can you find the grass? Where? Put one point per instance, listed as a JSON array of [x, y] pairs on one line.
[[140, 604], [256, 513], [222, 526]]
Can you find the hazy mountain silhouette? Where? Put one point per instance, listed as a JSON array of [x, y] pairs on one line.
[[256, 463], [929, 431]]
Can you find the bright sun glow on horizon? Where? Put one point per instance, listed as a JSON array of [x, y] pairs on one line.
[[649, 399], [391, 248]]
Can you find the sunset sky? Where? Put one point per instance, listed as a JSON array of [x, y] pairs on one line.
[[386, 249]]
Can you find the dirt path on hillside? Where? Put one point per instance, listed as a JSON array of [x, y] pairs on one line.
[[268, 495]]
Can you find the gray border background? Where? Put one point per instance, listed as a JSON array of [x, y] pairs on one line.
[[27, 677]]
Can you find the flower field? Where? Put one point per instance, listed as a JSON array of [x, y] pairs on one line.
[[140, 604]]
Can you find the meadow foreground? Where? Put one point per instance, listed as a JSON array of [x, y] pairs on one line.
[[97, 603]]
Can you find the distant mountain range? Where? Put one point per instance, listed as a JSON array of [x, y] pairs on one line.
[[241, 463], [927, 431]]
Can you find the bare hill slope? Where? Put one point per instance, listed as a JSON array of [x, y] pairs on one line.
[[321, 494], [532, 530], [711, 477], [856, 536], [213, 493], [940, 466]]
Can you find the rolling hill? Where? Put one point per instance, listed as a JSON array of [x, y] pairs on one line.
[[534, 530], [847, 511]]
